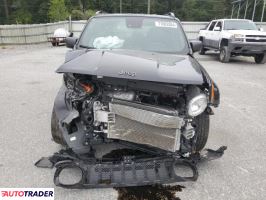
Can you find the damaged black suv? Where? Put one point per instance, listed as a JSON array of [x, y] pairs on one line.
[[131, 80]]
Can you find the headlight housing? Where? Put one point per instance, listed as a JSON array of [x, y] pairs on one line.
[[238, 37], [77, 84], [197, 105]]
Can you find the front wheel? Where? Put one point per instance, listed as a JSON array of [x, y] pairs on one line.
[[202, 123], [225, 55], [202, 50], [260, 58]]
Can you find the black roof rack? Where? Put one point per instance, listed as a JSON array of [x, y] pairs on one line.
[[100, 12], [171, 14]]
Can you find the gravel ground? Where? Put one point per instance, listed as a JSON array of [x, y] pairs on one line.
[[28, 86]]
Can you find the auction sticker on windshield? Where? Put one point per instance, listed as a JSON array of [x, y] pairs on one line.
[[26, 193], [166, 24]]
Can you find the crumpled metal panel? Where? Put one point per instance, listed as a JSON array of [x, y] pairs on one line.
[[145, 127]]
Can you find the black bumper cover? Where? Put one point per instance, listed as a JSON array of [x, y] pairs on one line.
[[125, 173]]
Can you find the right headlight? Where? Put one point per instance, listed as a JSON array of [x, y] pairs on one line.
[[197, 105], [238, 37]]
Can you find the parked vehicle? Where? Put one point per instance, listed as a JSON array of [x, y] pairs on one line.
[[234, 37], [59, 37], [132, 80]]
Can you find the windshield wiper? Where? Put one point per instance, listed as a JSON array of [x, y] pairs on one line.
[[86, 47]]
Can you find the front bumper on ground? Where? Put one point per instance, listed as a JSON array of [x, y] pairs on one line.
[[128, 172], [247, 48]]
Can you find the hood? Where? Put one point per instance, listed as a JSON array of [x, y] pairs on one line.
[[147, 66], [247, 32]]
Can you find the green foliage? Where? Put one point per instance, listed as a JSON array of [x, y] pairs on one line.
[[79, 15], [41, 16], [41, 11], [57, 10], [22, 17], [89, 13]]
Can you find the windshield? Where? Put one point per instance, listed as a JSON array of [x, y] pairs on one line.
[[239, 25], [134, 33]]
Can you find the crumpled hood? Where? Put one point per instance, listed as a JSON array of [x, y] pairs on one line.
[[138, 65]]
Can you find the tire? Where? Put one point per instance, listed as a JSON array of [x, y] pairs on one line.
[[57, 135], [260, 58], [202, 51], [202, 130], [54, 44], [225, 55]]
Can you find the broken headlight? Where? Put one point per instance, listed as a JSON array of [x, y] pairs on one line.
[[197, 105], [81, 86], [68, 81]]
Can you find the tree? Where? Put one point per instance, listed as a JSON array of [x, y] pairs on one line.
[[6, 9], [21, 13], [77, 15], [57, 10], [89, 13], [41, 16], [22, 17], [42, 11]]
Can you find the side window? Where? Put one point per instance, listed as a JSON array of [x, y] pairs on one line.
[[206, 27], [212, 25], [219, 25]]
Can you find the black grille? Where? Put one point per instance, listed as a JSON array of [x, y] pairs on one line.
[[260, 36], [254, 40]]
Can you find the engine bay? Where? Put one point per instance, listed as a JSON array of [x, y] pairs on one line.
[[105, 109]]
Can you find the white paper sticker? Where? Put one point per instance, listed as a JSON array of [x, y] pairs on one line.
[[166, 24]]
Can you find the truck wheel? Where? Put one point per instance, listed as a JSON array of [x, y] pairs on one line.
[[55, 131], [202, 130], [260, 58], [225, 55]]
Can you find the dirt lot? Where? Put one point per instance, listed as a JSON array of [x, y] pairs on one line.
[[28, 86]]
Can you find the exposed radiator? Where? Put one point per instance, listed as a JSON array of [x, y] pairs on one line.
[[136, 124]]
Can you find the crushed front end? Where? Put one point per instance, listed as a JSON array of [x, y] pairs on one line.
[[167, 123], [93, 110]]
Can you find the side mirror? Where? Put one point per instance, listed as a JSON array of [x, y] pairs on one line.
[[261, 29], [196, 45], [217, 29], [70, 42], [71, 34]]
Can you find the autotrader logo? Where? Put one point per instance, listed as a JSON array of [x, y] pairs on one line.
[[27, 193]]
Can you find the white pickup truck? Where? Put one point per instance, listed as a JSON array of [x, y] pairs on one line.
[[234, 37]]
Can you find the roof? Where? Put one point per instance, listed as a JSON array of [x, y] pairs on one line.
[[135, 15], [231, 19]]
